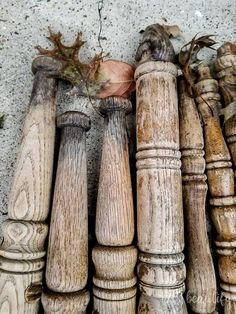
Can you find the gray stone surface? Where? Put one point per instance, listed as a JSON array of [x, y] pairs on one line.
[[23, 25]]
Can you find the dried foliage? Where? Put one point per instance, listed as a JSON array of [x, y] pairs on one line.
[[188, 58], [98, 78]]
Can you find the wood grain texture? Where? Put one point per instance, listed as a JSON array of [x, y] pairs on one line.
[[29, 200], [20, 292], [114, 212], [114, 289], [221, 185], [225, 66], [200, 280], [62, 303], [159, 190], [114, 281], [67, 255]]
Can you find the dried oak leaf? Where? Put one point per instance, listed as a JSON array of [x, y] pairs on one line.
[[188, 57], [98, 78]]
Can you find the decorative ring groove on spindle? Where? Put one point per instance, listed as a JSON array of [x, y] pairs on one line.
[[155, 66], [229, 288], [168, 259], [194, 178], [74, 119], [114, 284], [226, 251], [22, 266], [158, 158], [225, 244], [162, 292], [218, 164], [223, 201], [114, 295]]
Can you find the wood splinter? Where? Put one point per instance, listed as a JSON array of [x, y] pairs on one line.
[[22, 251]]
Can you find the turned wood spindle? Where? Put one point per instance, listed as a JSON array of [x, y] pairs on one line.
[[24, 233], [200, 279], [221, 185], [67, 255], [225, 66], [114, 258], [161, 270]]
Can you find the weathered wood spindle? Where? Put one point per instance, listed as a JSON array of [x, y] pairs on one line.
[[114, 258], [221, 185], [225, 66], [200, 279], [24, 233], [161, 270], [67, 256]]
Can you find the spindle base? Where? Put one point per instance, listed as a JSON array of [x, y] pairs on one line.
[[61, 303]]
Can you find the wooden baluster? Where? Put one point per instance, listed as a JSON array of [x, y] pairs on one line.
[[24, 233], [221, 185], [200, 280], [67, 256], [225, 66], [114, 258], [161, 270]]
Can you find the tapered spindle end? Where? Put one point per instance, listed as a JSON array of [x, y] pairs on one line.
[[46, 64], [74, 119], [155, 45], [111, 104]]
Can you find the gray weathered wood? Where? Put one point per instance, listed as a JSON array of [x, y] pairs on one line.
[[161, 270], [67, 255], [114, 258], [24, 233], [200, 280], [220, 178]]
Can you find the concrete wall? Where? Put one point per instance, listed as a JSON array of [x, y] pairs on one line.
[[23, 25]]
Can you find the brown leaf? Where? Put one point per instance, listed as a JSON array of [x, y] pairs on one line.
[[98, 78], [120, 78], [188, 56]]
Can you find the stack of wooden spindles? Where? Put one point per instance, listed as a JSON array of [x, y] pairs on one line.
[[183, 150]]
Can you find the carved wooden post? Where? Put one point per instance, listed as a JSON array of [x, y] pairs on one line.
[[221, 185], [225, 66], [161, 270], [24, 233], [114, 258], [200, 280], [67, 256]]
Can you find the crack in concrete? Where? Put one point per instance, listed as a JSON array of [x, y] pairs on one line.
[[100, 7]]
